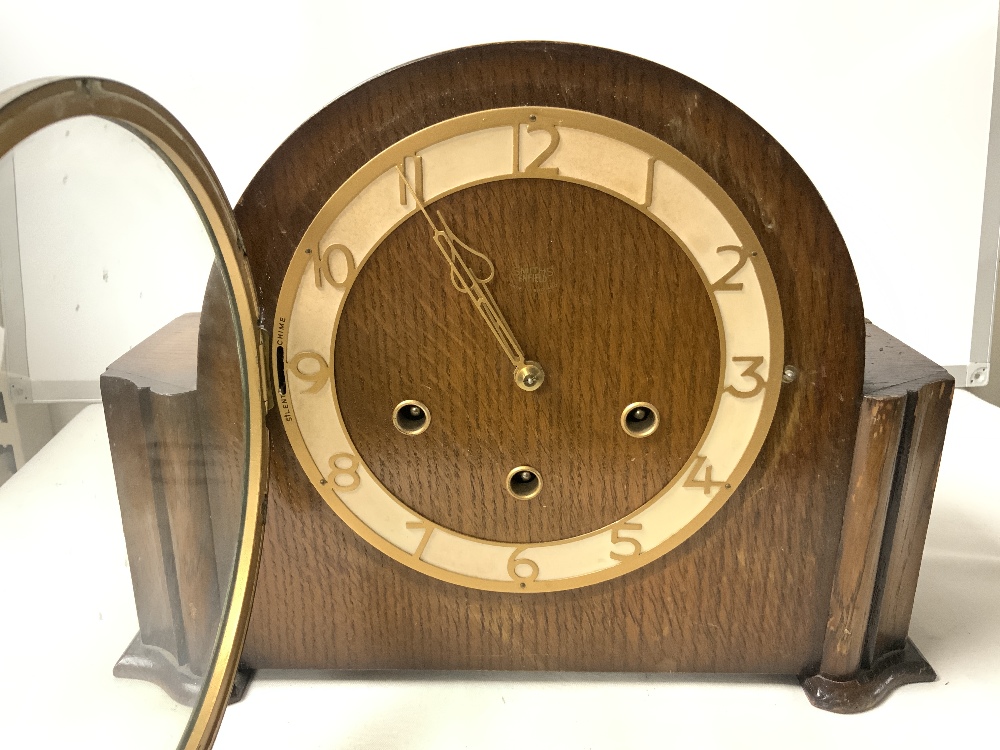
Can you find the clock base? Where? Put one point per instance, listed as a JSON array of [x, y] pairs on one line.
[[869, 687], [156, 665], [865, 654]]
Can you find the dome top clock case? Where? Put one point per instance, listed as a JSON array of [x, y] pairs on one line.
[[572, 373], [597, 215], [566, 368]]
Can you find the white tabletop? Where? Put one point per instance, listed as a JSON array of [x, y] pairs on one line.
[[64, 576]]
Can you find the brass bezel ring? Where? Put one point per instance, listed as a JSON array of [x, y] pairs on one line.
[[32, 106]]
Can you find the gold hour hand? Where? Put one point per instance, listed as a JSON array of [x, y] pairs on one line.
[[528, 375], [456, 279]]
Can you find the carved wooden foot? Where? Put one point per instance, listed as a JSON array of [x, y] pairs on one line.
[[869, 687], [153, 664]]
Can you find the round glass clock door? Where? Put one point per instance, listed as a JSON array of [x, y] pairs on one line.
[[131, 424]]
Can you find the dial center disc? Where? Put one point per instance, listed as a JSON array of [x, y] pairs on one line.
[[614, 309]]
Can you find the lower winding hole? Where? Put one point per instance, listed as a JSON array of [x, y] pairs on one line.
[[524, 482]]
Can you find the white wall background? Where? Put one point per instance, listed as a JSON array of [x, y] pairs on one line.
[[884, 103], [112, 249]]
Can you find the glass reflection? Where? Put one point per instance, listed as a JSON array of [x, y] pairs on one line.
[[118, 522]]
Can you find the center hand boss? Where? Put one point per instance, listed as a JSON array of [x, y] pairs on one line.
[[527, 374]]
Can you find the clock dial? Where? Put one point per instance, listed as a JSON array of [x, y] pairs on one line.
[[469, 251]]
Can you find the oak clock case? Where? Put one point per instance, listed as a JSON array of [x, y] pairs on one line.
[[636, 242]]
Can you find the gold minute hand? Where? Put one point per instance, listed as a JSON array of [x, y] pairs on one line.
[[527, 375]]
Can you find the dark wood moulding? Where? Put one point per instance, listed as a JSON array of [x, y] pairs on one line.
[[178, 452], [901, 433]]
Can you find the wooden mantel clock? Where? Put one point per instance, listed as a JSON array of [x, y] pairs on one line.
[[569, 371]]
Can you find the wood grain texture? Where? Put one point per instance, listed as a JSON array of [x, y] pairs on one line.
[[153, 422], [900, 435], [622, 273], [165, 362], [750, 592], [872, 476], [929, 391], [143, 519], [173, 438], [223, 422]]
